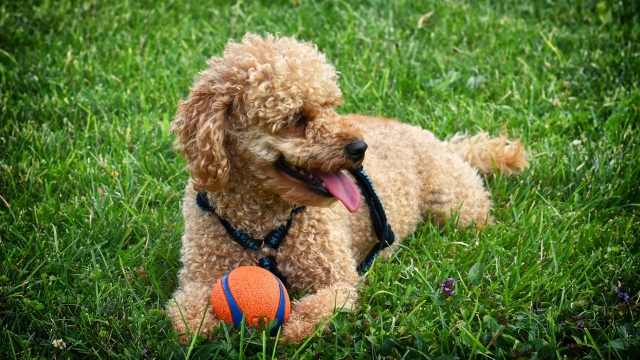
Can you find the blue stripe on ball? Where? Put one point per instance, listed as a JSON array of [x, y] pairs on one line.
[[236, 313], [281, 307]]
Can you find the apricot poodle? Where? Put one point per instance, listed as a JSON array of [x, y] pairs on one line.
[[279, 179]]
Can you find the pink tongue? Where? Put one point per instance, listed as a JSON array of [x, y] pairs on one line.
[[340, 186]]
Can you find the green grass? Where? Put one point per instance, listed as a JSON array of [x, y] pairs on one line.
[[90, 186]]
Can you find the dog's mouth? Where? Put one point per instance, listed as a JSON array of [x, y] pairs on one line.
[[334, 184]]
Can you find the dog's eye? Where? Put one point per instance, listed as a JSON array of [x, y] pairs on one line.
[[301, 120]]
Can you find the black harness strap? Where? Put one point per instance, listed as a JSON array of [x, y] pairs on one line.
[[378, 218], [273, 239]]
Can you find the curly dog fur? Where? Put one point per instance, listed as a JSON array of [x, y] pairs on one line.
[[267, 106]]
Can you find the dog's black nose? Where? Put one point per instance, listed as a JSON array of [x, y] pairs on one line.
[[356, 150]]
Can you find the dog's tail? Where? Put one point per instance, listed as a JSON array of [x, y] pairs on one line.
[[490, 155]]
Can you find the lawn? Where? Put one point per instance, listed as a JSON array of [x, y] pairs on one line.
[[90, 186]]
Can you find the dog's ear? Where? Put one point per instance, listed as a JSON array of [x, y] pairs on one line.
[[201, 127]]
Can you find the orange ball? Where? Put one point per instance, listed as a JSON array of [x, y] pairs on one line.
[[253, 292]]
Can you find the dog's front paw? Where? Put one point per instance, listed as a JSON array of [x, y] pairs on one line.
[[194, 328], [297, 329], [312, 310], [190, 312]]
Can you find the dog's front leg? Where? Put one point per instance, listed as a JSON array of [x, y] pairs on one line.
[[312, 309], [189, 311]]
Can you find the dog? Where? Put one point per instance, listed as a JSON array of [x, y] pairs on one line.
[[268, 153]]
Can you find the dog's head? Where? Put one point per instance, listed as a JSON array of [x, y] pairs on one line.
[[266, 109]]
